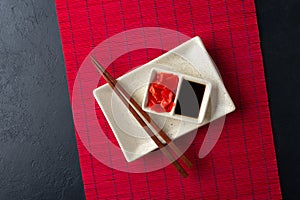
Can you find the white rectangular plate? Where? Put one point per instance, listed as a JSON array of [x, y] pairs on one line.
[[190, 58]]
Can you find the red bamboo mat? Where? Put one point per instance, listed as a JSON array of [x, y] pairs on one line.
[[243, 163]]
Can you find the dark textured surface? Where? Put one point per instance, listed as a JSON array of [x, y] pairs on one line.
[[279, 23], [38, 156]]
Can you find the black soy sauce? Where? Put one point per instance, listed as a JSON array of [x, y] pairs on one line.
[[189, 99]]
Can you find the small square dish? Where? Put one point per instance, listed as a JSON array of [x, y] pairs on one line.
[[189, 59], [176, 95]]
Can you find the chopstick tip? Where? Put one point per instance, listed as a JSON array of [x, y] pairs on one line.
[[92, 58]]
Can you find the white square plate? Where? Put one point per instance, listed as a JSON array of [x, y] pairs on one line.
[[190, 58], [172, 114]]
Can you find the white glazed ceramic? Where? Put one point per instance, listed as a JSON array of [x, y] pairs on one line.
[[189, 58], [180, 76]]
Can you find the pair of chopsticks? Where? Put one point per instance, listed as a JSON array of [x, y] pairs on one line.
[[133, 106]]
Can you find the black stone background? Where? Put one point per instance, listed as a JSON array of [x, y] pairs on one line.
[[38, 155]]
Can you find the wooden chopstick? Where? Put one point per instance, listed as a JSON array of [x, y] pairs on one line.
[[125, 97], [144, 114]]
